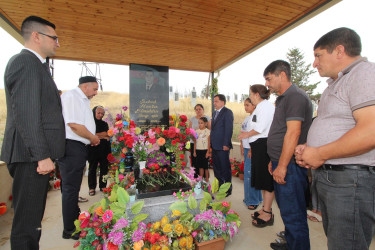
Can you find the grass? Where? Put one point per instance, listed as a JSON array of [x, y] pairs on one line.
[[114, 101]]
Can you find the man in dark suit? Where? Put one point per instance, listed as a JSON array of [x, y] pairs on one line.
[[221, 135], [35, 132]]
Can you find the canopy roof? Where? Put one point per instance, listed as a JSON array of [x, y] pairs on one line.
[[201, 35]]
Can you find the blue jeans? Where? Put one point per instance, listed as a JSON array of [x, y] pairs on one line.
[[292, 203], [347, 200], [252, 195]]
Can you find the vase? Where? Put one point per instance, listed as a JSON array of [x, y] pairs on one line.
[[129, 161], [215, 244], [198, 189], [131, 198], [241, 176]]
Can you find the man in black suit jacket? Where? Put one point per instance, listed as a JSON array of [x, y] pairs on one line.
[[35, 132], [221, 136]]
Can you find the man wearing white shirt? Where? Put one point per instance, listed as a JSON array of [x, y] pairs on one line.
[[80, 132]]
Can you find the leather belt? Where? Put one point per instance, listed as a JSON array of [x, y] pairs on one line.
[[347, 166]]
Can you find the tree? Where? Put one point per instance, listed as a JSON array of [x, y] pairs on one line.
[[301, 73]]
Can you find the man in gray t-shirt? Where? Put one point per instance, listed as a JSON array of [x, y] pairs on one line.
[[341, 141], [291, 121]]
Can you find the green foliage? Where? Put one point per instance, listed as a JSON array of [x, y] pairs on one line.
[[301, 73], [192, 202], [122, 195], [137, 207], [214, 88], [180, 206], [215, 186]]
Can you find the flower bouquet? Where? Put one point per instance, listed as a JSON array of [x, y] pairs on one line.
[[105, 224], [235, 166]]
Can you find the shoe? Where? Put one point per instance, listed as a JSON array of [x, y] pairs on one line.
[[263, 223], [252, 207], [228, 193], [279, 246], [281, 234], [81, 199], [69, 235], [256, 214], [92, 192]]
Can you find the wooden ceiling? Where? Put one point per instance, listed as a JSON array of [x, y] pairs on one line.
[[201, 35]]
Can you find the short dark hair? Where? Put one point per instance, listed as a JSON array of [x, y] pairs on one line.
[[33, 23], [262, 90], [204, 119], [278, 66], [221, 98], [248, 100], [341, 36], [198, 105]]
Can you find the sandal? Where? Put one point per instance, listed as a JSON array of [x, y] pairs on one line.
[[263, 223], [92, 192], [256, 214], [252, 207], [81, 199]]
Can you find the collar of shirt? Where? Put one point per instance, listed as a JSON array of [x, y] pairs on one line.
[[43, 60], [220, 109], [347, 69]]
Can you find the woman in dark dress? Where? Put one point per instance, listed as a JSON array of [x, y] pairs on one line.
[[98, 154]]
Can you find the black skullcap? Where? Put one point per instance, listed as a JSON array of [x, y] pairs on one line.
[[85, 79]]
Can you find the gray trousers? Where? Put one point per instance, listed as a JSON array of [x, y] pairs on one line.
[[347, 200]]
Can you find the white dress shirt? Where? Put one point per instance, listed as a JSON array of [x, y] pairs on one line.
[[76, 109]]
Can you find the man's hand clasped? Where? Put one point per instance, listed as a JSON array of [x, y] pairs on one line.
[[308, 157], [45, 166]]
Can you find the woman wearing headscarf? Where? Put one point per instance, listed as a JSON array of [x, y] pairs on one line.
[[98, 154]]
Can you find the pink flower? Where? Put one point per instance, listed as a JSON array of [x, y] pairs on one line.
[[194, 234], [107, 216], [120, 177]]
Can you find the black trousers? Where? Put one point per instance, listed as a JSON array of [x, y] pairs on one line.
[[93, 165], [222, 169], [29, 201], [71, 170]]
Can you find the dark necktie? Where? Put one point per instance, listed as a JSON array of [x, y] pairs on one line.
[[216, 114]]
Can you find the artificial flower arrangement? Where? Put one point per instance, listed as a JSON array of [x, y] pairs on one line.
[[235, 166], [215, 220], [106, 225]]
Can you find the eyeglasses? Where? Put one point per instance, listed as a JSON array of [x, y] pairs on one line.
[[53, 37]]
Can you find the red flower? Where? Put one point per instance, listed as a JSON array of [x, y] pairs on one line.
[[152, 140], [225, 204], [148, 234], [85, 223], [182, 124], [98, 231], [111, 158], [83, 234], [171, 133], [174, 142], [99, 247], [111, 246], [154, 238], [183, 118], [105, 236], [165, 133], [95, 242], [182, 156], [158, 130], [183, 164], [76, 244]]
